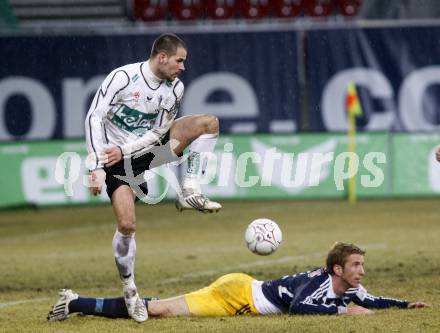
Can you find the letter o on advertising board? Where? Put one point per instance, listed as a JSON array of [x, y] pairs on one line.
[[41, 104]]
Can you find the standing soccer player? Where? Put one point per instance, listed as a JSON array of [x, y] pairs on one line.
[[131, 127]]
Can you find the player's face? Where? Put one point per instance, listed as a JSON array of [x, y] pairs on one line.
[[173, 66], [353, 271]]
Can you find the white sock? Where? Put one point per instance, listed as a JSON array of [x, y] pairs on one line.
[[197, 163], [124, 250]]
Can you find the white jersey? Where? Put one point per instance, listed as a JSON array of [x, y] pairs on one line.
[[133, 109]]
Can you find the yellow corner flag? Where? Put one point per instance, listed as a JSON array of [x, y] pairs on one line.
[[352, 101], [354, 110]]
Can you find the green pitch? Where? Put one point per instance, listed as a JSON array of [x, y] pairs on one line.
[[44, 250]]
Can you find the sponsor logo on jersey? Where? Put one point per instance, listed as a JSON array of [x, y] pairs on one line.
[[134, 78], [132, 120]]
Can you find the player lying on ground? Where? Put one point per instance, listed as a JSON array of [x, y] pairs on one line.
[[321, 291]]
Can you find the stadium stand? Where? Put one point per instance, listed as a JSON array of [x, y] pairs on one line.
[[69, 12], [398, 9], [253, 9], [123, 13], [318, 8], [349, 7], [185, 10], [150, 10], [193, 10], [220, 9], [286, 8]]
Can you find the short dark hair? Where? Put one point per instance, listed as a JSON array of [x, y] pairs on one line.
[[167, 43], [339, 253]]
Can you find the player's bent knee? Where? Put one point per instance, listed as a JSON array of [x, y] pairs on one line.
[[126, 227], [208, 123], [212, 124]]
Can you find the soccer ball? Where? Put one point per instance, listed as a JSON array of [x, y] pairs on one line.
[[263, 236]]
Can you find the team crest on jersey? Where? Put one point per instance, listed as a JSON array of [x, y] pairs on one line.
[[136, 94]]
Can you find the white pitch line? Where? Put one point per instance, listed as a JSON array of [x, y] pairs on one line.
[[260, 263], [24, 301]]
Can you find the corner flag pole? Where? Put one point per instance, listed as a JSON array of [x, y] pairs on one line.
[[353, 110]]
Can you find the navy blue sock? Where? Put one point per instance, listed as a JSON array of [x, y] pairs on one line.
[[84, 305], [105, 307]]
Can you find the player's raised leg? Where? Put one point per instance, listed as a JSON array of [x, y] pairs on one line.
[[200, 133], [124, 250]]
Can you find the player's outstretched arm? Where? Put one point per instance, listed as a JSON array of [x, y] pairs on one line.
[[359, 310]]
